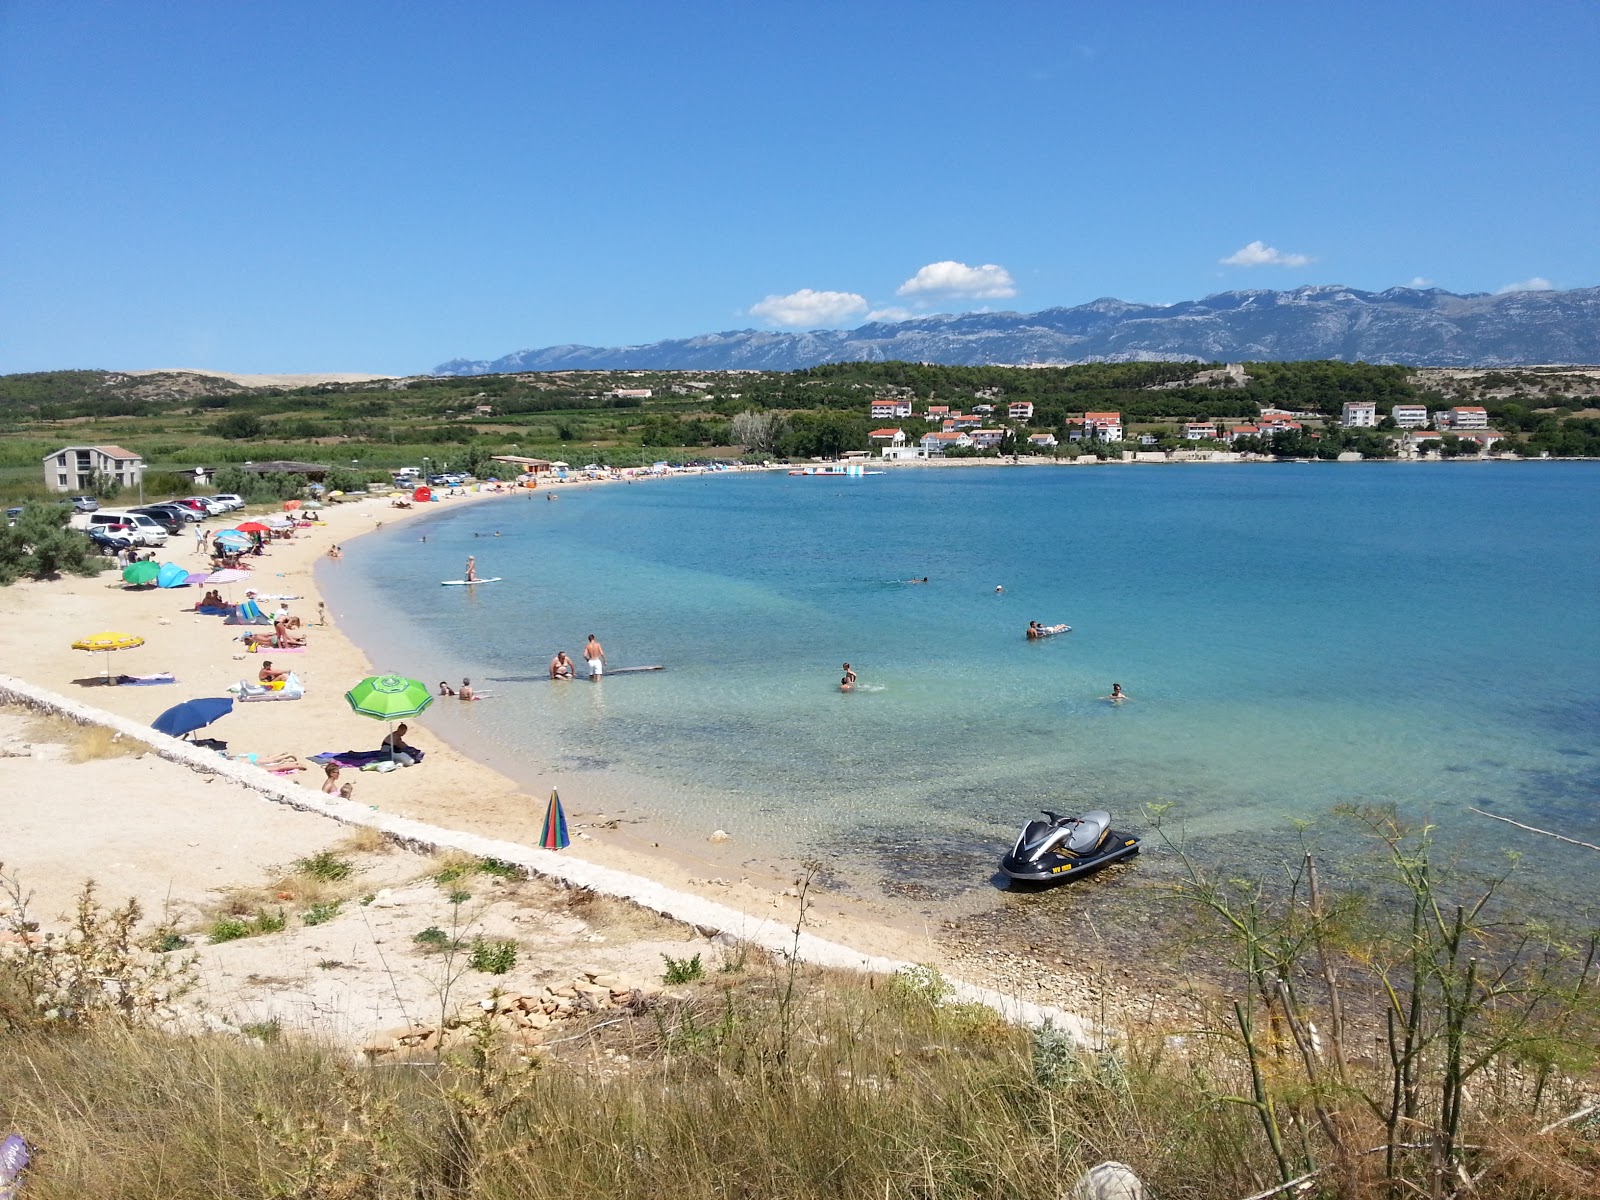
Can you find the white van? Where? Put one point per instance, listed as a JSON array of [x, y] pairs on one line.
[[147, 530]]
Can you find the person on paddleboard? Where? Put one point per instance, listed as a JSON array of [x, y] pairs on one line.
[[472, 570]]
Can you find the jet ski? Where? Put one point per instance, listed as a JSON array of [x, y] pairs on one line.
[[1066, 847]]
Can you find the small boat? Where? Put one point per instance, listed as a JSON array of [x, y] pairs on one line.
[[1063, 848], [836, 471]]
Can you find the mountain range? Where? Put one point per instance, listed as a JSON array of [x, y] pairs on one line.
[[1419, 327]]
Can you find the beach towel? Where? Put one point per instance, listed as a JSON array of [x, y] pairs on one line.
[[146, 680], [358, 759]]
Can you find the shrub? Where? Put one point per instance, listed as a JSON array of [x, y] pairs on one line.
[[682, 970], [231, 929], [40, 546], [319, 914], [495, 956], [432, 938], [326, 866]]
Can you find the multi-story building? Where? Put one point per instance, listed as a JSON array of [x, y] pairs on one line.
[[1199, 431], [75, 468], [1469, 416], [1410, 416], [988, 439], [935, 444], [1358, 414], [890, 409], [1021, 410]]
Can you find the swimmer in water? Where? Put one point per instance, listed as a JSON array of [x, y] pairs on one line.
[[849, 676], [846, 684], [1117, 695], [998, 589]]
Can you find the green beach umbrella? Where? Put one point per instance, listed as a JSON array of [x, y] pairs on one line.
[[141, 573], [389, 697]]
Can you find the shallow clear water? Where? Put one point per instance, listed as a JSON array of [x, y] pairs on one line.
[[1292, 636]]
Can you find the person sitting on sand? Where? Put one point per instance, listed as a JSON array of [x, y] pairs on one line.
[[212, 599], [395, 743], [330, 780], [466, 692], [272, 678], [561, 667], [281, 637], [445, 689]]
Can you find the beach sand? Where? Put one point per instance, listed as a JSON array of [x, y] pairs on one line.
[[40, 620]]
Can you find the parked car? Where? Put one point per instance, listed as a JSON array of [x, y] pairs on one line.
[[107, 542], [234, 502], [167, 518], [200, 511], [208, 504], [84, 503], [110, 522], [179, 512]]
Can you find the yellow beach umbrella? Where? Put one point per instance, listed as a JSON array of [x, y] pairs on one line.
[[105, 643]]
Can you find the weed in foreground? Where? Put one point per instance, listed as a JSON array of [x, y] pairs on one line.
[[682, 970], [494, 956], [231, 929], [325, 866], [319, 914]]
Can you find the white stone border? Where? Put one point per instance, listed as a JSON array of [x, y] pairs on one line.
[[707, 916]]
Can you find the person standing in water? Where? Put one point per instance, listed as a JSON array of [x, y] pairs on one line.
[[594, 654], [472, 569], [848, 683]]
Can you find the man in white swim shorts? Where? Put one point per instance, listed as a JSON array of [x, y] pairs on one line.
[[595, 656]]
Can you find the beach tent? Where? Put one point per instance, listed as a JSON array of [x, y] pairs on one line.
[[248, 613], [172, 575]]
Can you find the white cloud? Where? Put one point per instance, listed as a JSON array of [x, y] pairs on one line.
[[1417, 281], [1537, 284], [892, 313], [988, 282], [808, 308], [1259, 254]]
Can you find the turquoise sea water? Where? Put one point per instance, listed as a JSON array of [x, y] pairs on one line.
[[1292, 636]]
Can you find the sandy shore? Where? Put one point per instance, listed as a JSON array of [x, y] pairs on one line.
[[39, 621]]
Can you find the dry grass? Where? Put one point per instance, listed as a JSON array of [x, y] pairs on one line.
[[363, 839], [96, 742]]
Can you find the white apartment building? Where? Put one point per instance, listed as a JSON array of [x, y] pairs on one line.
[[1468, 417], [890, 409], [1199, 431], [1410, 416], [1358, 415], [1021, 410], [1107, 426]]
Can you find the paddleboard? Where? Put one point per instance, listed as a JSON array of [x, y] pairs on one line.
[[467, 582], [581, 676]]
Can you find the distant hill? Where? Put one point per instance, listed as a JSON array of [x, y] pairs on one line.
[[1429, 327]]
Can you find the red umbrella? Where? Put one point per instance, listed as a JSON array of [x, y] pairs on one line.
[[253, 527]]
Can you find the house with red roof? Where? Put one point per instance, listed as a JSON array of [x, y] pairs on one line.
[[1469, 416], [890, 409], [1021, 410], [1107, 426], [889, 437], [935, 444], [938, 412], [1199, 431], [988, 439]]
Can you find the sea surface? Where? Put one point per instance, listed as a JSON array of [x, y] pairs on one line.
[[1292, 637]]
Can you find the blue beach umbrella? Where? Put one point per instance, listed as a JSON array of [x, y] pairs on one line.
[[233, 539], [191, 715]]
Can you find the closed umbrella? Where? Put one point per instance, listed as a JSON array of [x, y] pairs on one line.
[[141, 573], [105, 643], [389, 698], [191, 715], [555, 825]]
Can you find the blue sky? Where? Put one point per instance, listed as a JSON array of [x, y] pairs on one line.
[[348, 186]]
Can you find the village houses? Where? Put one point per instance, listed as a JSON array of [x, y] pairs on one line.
[[1410, 416], [890, 409], [988, 439], [1107, 426], [76, 468], [1021, 410], [888, 437], [1199, 431], [1469, 416], [935, 444]]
